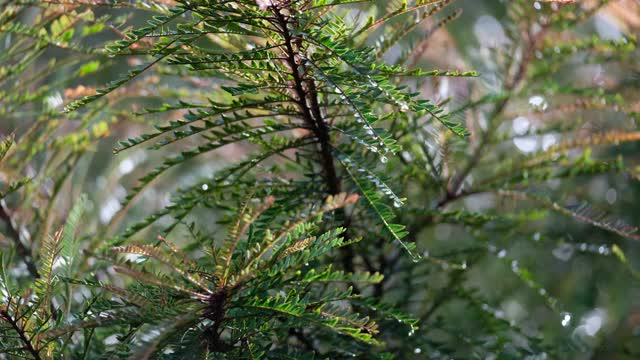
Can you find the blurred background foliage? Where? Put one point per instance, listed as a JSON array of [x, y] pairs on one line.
[[541, 275]]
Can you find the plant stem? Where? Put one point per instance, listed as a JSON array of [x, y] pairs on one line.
[[4, 314], [21, 248], [307, 101]]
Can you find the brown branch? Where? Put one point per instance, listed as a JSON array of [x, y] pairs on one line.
[[215, 312], [453, 189], [21, 248], [307, 101], [4, 315]]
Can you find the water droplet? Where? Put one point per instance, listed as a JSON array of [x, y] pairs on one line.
[[603, 250], [566, 319], [563, 252], [542, 291], [611, 196], [417, 351], [520, 125], [397, 203], [205, 187], [538, 102], [502, 253], [383, 159]]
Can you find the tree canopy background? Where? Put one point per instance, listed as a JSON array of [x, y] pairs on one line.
[[460, 180]]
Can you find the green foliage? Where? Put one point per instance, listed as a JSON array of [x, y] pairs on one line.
[[296, 169]]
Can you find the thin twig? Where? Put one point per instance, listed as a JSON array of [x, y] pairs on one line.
[[23, 251]]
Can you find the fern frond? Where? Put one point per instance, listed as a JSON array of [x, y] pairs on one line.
[[49, 252], [583, 213]]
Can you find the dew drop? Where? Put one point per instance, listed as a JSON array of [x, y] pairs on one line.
[[566, 319], [542, 291], [563, 252], [538, 102], [603, 250], [514, 266], [397, 204], [383, 159]]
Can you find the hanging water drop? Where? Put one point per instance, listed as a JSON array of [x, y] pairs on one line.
[[542, 291], [514, 265], [563, 252], [383, 159]]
